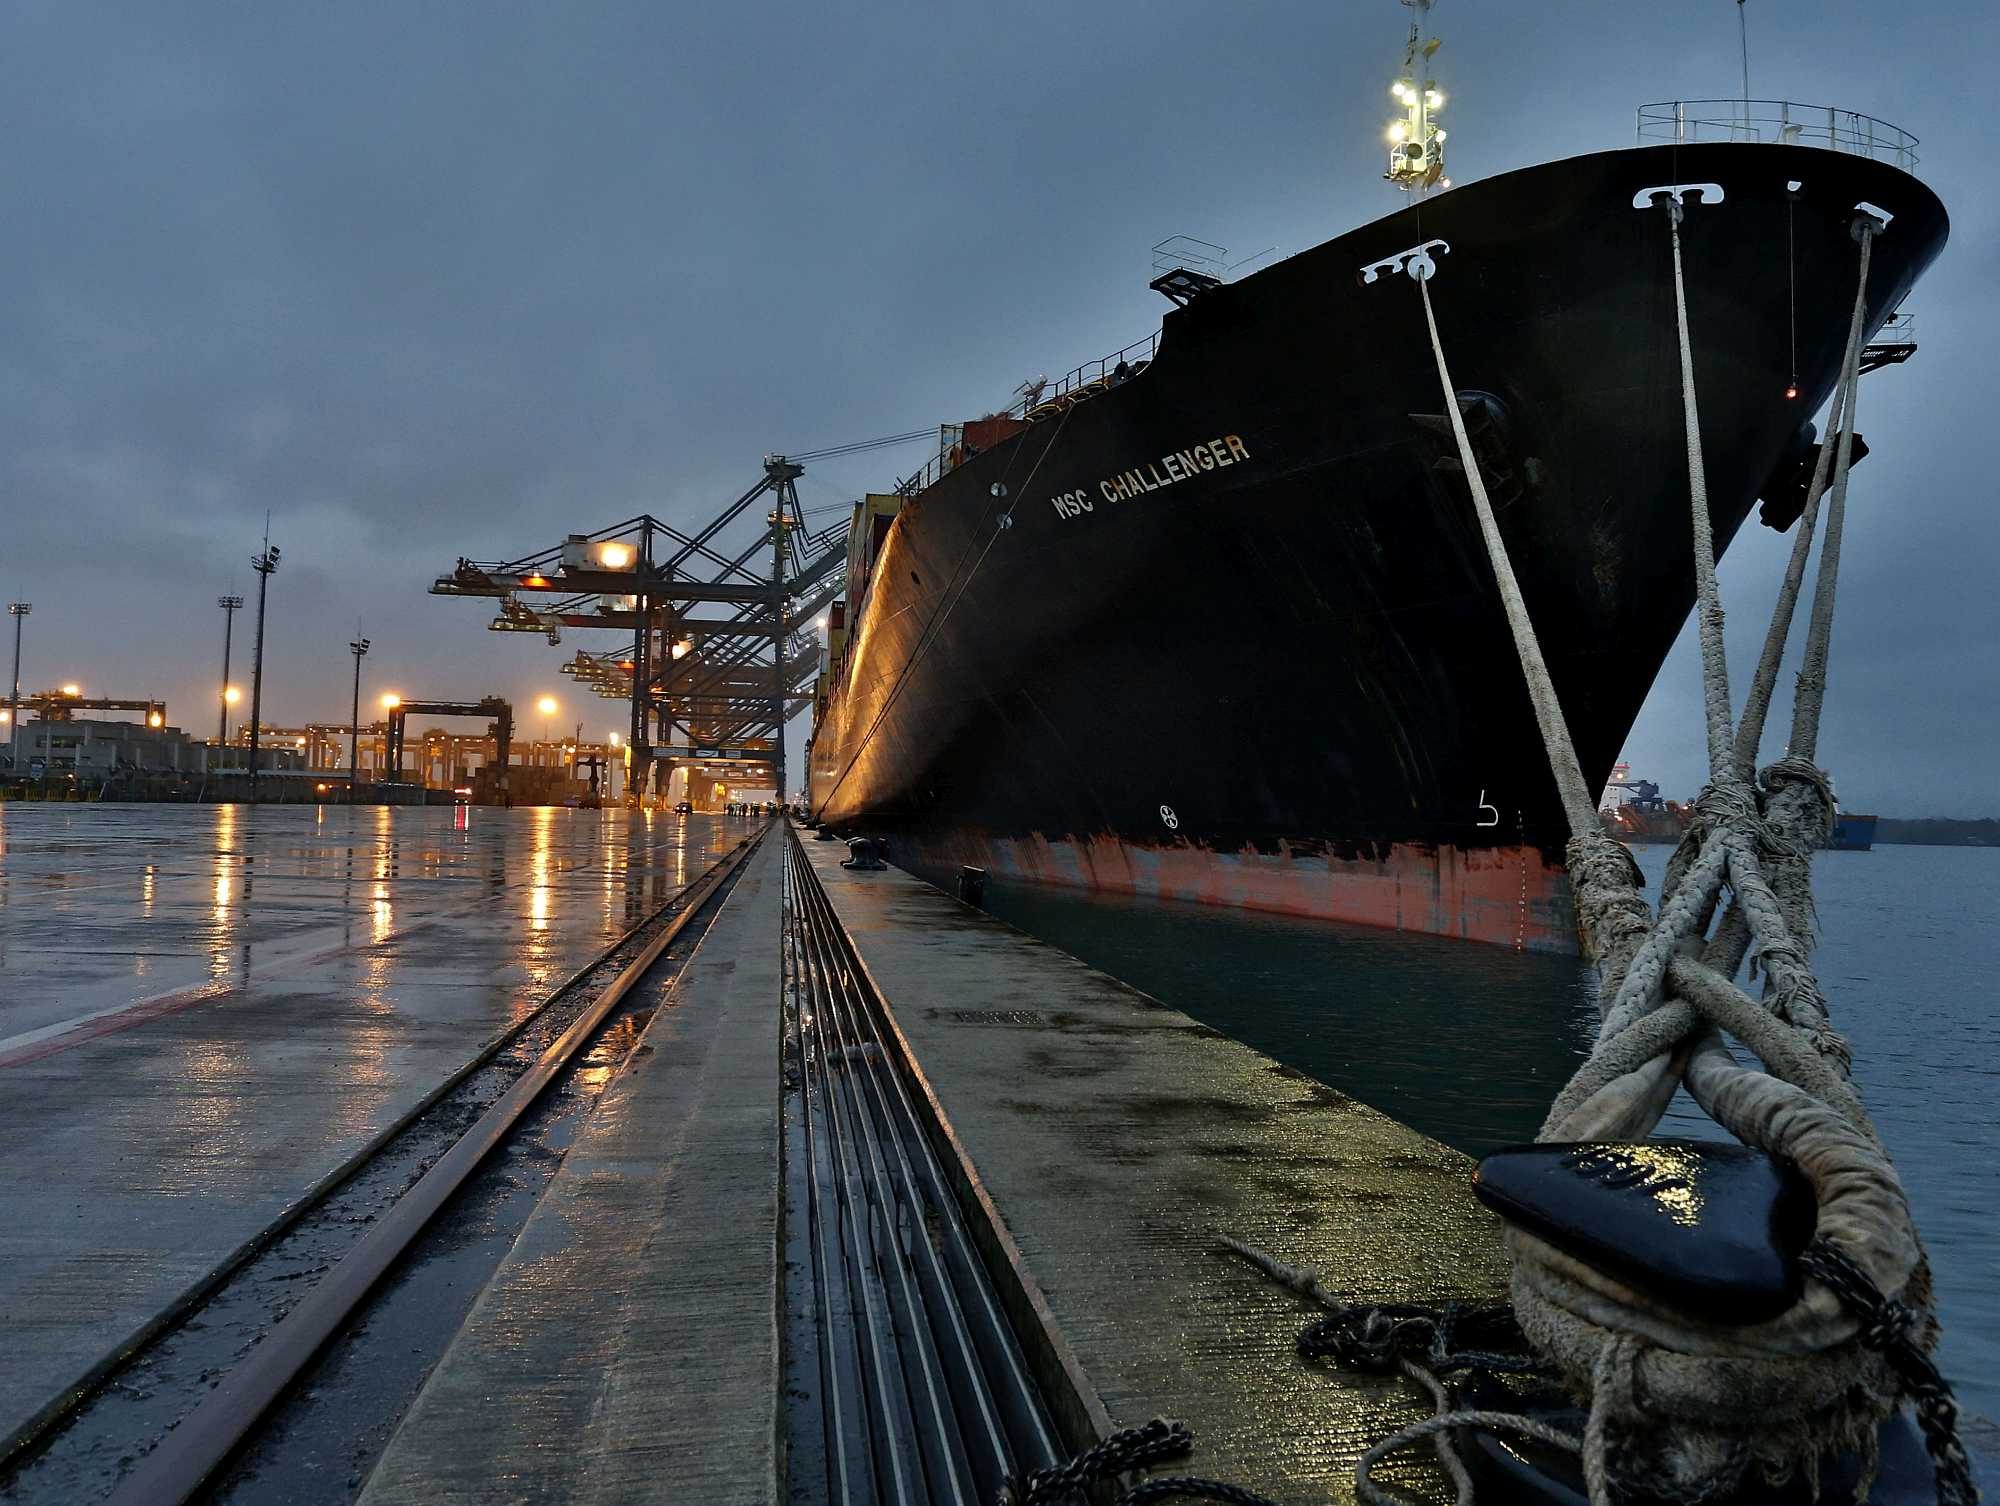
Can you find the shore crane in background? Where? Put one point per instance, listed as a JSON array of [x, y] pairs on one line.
[[720, 647]]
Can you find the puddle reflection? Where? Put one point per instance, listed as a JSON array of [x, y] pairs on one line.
[[495, 907]]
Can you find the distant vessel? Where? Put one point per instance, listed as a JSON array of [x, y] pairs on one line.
[[1211, 620], [1852, 833], [1632, 810]]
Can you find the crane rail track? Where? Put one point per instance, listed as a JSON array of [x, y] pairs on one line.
[[907, 1383], [190, 1438]]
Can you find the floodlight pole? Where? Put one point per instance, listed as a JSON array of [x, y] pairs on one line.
[[230, 606], [358, 647], [17, 610], [264, 564]]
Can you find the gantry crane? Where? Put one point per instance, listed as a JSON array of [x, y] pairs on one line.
[[501, 730], [713, 687]]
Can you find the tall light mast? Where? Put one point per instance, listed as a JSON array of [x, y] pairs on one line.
[[1416, 144], [230, 605], [358, 647], [263, 564]]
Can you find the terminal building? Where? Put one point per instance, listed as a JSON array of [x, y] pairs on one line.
[[74, 745]]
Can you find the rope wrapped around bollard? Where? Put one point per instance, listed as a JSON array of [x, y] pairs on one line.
[[1685, 1405]]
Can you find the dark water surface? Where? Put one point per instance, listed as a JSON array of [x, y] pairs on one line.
[[1470, 1043]]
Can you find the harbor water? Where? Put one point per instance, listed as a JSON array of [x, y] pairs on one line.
[[1470, 1043]]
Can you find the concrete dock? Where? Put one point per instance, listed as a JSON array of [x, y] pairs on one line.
[[1115, 1138], [1111, 1139], [636, 1314]]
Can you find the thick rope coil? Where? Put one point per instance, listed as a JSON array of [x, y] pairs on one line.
[[1688, 1408]]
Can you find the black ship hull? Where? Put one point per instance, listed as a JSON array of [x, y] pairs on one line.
[[1227, 631]]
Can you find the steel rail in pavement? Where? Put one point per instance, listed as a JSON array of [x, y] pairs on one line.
[[980, 1430], [948, 1319], [849, 1428], [224, 1419], [998, 1368], [913, 1411]]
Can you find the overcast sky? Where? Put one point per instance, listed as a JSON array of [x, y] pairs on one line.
[[443, 279]]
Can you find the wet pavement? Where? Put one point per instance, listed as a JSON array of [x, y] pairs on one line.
[[1115, 1139], [626, 1350], [206, 1011]]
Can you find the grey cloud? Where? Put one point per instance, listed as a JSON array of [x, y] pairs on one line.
[[458, 278]]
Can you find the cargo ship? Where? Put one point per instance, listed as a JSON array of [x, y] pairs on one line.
[[1212, 620], [1852, 832], [1633, 810]]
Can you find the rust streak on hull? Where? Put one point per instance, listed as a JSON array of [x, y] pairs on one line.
[[1505, 896]]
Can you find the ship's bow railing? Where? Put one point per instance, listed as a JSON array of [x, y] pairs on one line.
[[1777, 120], [1041, 400]]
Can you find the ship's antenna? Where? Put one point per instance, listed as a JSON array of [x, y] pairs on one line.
[[1743, 37], [1416, 145]]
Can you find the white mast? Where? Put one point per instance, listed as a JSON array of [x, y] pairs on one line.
[[1416, 145]]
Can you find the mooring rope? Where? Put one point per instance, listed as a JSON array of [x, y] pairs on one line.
[[1757, 705], [1762, 1400], [1679, 1405], [1577, 804]]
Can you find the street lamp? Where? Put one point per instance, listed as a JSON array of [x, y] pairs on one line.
[[16, 610], [357, 648], [547, 706], [230, 605], [265, 565]]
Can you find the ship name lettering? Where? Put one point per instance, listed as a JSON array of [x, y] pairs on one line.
[[1156, 475]]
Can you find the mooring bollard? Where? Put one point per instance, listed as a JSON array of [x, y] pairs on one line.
[[972, 885], [864, 853]]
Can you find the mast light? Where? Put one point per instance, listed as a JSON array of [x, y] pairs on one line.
[[1416, 145]]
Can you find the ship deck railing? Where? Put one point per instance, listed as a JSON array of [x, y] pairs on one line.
[[1777, 120], [1040, 402]]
